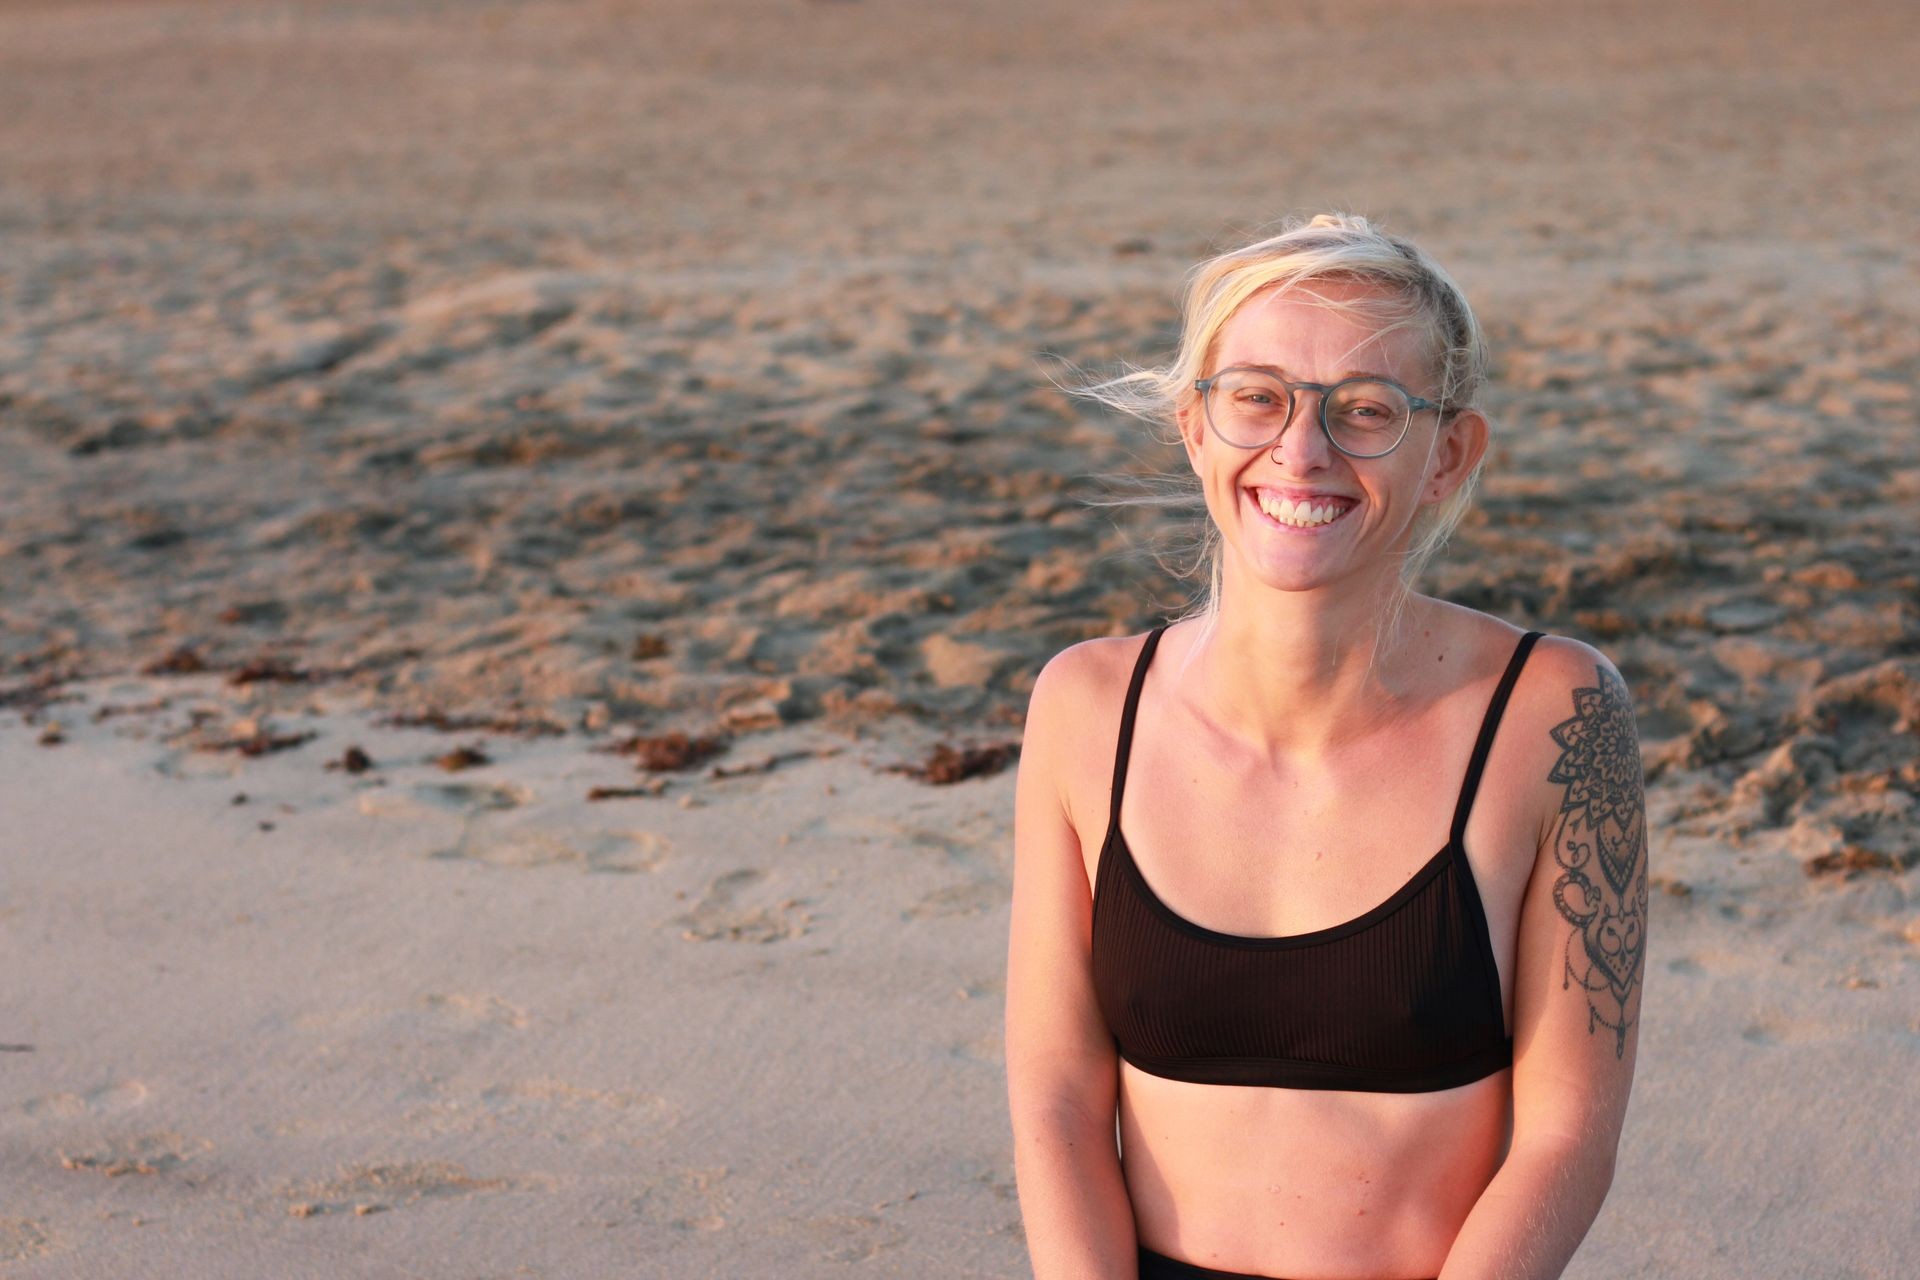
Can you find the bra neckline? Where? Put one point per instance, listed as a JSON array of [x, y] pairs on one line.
[[1313, 937]]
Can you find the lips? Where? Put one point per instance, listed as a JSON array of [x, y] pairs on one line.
[[1303, 510]]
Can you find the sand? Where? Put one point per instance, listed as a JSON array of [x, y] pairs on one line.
[[566, 373]]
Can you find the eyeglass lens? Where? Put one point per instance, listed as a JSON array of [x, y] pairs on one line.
[[1249, 409]]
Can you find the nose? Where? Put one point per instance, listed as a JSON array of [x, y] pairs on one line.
[[1303, 444]]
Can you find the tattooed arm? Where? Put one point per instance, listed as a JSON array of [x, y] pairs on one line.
[[1579, 965]]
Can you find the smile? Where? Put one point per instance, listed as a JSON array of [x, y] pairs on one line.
[[1302, 513]]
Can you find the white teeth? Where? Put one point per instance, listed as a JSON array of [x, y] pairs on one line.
[[1301, 514]]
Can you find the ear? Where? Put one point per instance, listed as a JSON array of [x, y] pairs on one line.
[[1193, 429], [1462, 443]]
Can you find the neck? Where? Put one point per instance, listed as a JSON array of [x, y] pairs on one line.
[[1295, 674]]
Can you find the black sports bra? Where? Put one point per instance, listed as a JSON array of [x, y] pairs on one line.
[[1402, 999]]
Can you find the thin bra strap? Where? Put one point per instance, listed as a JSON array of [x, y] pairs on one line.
[[1495, 710], [1125, 746]]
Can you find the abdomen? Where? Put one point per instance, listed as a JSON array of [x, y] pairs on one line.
[[1320, 1183]]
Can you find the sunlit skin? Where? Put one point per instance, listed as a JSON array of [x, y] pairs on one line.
[[1297, 604], [1291, 767], [1333, 815]]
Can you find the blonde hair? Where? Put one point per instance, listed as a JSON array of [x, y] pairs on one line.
[[1342, 247]]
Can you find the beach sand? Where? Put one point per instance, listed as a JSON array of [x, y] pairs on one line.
[[538, 378]]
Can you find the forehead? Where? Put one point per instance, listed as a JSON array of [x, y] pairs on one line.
[[1304, 332]]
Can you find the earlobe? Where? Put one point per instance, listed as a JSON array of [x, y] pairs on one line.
[[1467, 442], [1463, 441], [1185, 417]]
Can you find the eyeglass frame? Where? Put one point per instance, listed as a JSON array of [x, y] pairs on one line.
[[1415, 404]]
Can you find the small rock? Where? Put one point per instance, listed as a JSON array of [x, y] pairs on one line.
[[177, 662], [1847, 861], [669, 751], [1744, 615], [957, 663], [763, 713], [355, 760], [948, 765], [462, 758]]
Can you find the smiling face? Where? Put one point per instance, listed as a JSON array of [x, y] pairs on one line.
[[1300, 515]]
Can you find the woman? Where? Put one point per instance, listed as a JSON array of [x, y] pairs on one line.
[[1329, 1052]]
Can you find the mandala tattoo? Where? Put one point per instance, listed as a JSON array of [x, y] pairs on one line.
[[1601, 846]]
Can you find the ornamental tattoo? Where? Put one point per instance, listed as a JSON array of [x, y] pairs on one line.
[[1601, 846]]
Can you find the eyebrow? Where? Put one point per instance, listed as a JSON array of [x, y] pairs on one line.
[[1351, 373]]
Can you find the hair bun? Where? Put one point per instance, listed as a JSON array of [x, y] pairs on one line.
[[1343, 221]]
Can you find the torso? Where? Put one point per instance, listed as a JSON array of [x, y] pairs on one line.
[[1318, 1183]]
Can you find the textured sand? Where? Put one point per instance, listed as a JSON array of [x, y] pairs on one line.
[[662, 367]]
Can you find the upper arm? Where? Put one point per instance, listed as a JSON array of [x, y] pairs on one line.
[[1059, 1053], [1580, 958]]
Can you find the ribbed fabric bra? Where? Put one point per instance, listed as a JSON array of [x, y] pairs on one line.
[[1402, 999]]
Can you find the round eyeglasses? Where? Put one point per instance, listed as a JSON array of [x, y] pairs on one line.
[[1362, 417]]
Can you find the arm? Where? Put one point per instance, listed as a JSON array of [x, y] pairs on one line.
[[1577, 986], [1062, 1072]]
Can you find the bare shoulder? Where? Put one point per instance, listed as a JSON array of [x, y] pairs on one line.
[[1568, 726], [1076, 703], [1574, 735], [1082, 677], [1563, 659], [1569, 680], [1556, 662]]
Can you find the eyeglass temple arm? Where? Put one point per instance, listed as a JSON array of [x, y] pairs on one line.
[[1416, 403]]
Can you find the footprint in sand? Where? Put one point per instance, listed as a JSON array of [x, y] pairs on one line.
[[718, 918], [364, 1188], [984, 1050], [148, 1153], [110, 1099], [853, 1237], [689, 1200], [439, 799], [1709, 962], [540, 842], [1772, 1031], [468, 1010], [548, 1096], [456, 1017], [958, 900], [496, 828], [23, 1238], [545, 1109]]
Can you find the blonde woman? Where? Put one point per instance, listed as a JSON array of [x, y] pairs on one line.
[[1256, 1025]]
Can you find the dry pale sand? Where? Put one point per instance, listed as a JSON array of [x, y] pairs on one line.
[[618, 369]]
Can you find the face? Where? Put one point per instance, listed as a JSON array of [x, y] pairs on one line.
[[1372, 501]]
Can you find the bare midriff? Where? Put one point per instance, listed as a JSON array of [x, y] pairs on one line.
[[1307, 1184]]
